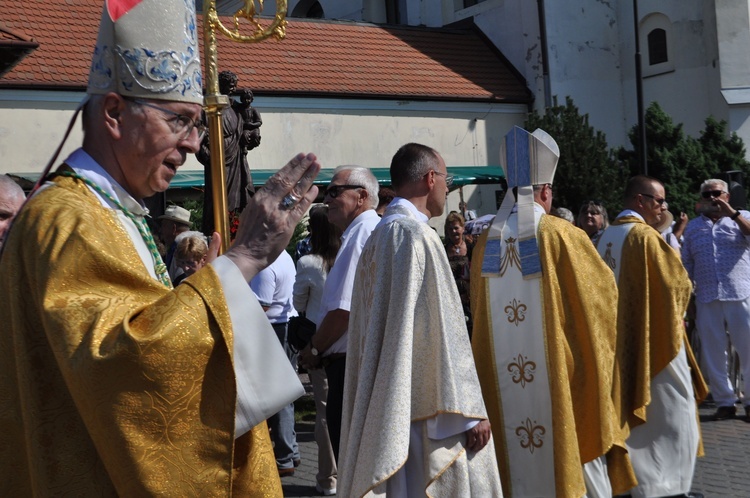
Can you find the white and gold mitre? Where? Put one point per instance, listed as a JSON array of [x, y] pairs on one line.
[[148, 49], [528, 159]]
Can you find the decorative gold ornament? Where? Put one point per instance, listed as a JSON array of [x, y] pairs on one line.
[[215, 102]]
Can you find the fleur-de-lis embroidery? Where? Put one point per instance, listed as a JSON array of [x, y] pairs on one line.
[[510, 258], [522, 371], [608, 259], [516, 312], [530, 435]]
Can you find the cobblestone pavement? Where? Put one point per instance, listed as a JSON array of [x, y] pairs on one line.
[[722, 473]]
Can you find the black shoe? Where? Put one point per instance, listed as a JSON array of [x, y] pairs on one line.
[[725, 412], [747, 412]]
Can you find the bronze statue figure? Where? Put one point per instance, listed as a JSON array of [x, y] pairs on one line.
[[241, 125]]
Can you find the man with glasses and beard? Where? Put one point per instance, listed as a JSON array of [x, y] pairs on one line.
[[716, 254], [654, 381], [351, 197]]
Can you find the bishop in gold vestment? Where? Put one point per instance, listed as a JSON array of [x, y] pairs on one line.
[[544, 340], [113, 383], [579, 325]]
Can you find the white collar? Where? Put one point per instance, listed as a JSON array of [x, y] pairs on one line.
[[405, 203], [87, 167]]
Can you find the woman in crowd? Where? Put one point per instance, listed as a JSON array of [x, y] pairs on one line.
[[459, 257], [593, 219], [312, 271], [190, 254]]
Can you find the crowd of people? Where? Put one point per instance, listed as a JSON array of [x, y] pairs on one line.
[[542, 359]]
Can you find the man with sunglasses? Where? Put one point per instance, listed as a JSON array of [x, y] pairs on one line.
[[113, 382], [414, 421], [716, 254], [351, 197], [657, 381]]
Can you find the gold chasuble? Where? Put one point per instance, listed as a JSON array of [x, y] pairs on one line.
[[654, 290], [548, 388], [111, 383]]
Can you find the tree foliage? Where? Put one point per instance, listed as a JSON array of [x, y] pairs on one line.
[[681, 162], [588, 169]]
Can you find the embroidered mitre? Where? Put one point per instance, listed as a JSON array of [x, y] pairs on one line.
[[148, 49]]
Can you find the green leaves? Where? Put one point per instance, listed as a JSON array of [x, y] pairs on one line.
[[589, 170]]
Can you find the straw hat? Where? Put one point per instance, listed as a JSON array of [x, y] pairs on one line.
[[177, 214], [666, 221]]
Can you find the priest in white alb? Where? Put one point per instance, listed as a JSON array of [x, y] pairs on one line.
[[414, 423]]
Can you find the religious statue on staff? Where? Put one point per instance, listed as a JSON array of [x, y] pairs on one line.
[[241, 126]]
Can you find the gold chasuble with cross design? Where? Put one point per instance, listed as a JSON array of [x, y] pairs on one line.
[[654, 295], [545, 352]]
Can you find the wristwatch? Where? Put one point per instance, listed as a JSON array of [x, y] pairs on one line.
[[314, 350], [735, 215]]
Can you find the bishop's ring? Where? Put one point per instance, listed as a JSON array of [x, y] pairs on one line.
[[289, 201]]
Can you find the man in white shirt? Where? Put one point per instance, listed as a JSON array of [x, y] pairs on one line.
[[716, 254], [273, 287], [351, 198]]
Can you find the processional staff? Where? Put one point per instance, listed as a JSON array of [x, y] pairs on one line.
[[215, 102]]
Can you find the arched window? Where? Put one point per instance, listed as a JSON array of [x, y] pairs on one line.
[[655, 32], [657, 47], [310, 9]]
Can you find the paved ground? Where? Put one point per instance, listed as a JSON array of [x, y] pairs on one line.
[[722, 473]]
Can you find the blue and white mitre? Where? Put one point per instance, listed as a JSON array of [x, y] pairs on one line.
[[528, 159], [148, 49]]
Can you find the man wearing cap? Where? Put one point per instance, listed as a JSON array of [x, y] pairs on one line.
[[544, 339], [414, 422], [115, 384], [716, 254], [173, 222], [655, 388]]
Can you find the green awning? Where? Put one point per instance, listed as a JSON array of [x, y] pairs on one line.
[[463, 175]]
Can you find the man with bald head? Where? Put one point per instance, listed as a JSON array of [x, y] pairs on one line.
[[414, 421], [654, 385], [11, 200]]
